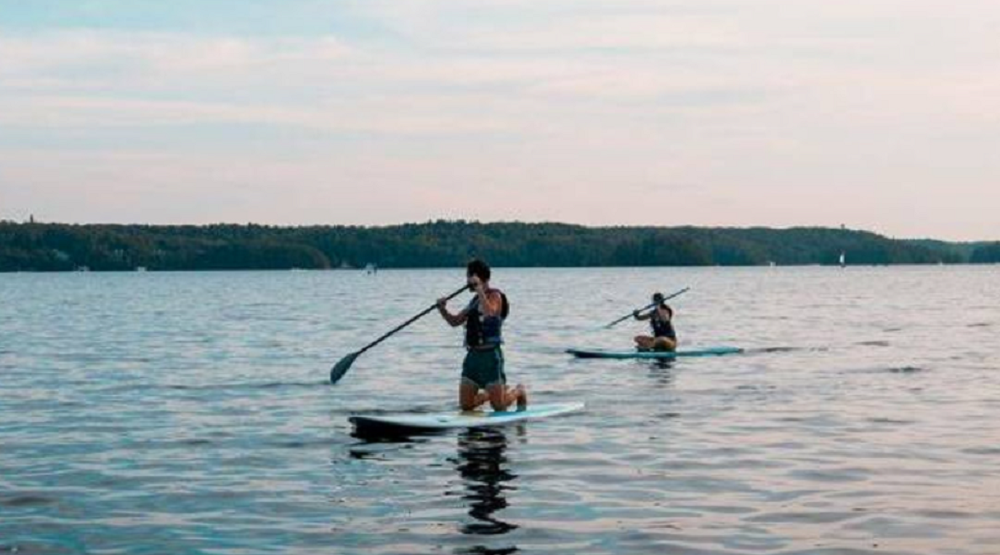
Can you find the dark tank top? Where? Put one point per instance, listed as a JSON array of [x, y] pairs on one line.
[[662, 328]]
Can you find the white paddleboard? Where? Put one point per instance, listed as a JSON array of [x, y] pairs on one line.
[[415, 423]]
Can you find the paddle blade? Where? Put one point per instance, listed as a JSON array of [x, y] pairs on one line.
[[342, 367]]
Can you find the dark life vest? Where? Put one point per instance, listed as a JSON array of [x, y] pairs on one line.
[[482, 331], [662, 328]]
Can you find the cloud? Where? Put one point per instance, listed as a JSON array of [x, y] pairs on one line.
[[116, 79], [117, 53], [368, 116]]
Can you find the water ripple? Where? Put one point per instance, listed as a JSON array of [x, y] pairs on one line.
[[190, 413]]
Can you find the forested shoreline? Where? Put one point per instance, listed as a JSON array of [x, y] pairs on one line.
[[106, 247]]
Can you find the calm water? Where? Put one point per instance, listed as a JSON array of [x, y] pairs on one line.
[[189, 413]]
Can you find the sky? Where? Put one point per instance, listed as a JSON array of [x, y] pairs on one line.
[[881, 115]]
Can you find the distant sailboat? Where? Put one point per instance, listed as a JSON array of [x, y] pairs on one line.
[[843, 259]]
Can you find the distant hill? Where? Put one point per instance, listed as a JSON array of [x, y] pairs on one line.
[[986, 253], [64, 247], [962, 250], [981, 252]]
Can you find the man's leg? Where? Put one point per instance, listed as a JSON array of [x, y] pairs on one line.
[[664, 344], [469, 396], [502, 397], [644, 342]]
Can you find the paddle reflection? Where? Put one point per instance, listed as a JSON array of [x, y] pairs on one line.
[[483, 466]]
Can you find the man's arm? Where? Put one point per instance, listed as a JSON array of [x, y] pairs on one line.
[[453, 320], [490, 302]]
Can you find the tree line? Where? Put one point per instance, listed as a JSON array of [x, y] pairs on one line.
[[99, 247]]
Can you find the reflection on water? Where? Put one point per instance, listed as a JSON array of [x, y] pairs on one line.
[[482, 463], [662, 372]]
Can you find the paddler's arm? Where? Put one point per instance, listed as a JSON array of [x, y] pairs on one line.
[[453, 320], [490, 301], [638, 316]]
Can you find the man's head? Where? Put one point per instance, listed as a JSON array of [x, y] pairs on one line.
[[479, 269], [658, 298]]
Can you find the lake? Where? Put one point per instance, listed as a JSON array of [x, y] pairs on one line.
[[191, 413]]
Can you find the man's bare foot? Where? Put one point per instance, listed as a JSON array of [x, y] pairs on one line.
[[522, 397]]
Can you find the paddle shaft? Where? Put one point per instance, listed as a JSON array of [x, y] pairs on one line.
[[410, 321], [650, 305]]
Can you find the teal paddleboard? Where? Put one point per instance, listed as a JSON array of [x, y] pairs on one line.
[[654, 355], [417, 423]]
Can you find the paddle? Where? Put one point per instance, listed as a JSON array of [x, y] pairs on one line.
[[650, 305], [345, 363]]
